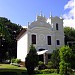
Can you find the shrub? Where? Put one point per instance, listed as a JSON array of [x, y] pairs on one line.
[[15, 60], [46, 71], [40, 62], [65, 57], [49, 65], [18, 61], [41, 65], [55, 58], [31, 60], [12, 60]]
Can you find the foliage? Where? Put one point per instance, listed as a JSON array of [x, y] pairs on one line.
[[8, 34], [73, 56], [12, 60], [15, 60], [69, 34], [73, 61], [63, 68], [18, 61], [50, 65], [45, 71], [48, 74], [65, 53], [55, 58], [40, 63], [31, 60], [65, 57], [42, 67]]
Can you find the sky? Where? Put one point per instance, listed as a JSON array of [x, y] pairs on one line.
[[24, 11]]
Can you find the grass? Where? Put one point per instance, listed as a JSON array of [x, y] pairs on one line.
[[8, 66], [50, 74], [4, 68], [11, 68]]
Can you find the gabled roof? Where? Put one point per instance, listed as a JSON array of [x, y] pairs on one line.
[[21, 33]]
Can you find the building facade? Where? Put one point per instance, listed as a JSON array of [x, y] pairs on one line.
[[46, 34]]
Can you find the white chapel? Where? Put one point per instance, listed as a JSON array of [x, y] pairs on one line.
[[46, 34]]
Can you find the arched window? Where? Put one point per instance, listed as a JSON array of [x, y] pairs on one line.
[[33, 39]]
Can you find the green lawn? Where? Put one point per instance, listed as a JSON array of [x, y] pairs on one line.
[[48, 74], [8, 66], [4, 68], [11, 69], [19, 70]]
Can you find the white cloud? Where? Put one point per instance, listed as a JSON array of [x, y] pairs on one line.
[[69, 16], [24, 26], [70, 4], [69, 23]]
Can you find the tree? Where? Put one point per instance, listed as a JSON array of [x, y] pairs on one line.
[[73, 57], [31, 60], [65, 59], [55, 59], [8, 34], [69, 34], [3, 35]]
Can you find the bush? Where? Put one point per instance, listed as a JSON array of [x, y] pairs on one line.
[[55, 58], [15, 60], [31, 60], [40, 62], [65, 60], [46, 71], [41, 65], [18, 61], [12, 60], [49, 65]]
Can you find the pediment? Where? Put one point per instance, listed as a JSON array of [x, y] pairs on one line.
[[39, 24]]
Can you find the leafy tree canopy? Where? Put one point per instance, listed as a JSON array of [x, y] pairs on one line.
[[69, 34], [8, 34]]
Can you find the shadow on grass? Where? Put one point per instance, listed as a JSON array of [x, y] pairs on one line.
[[13, 72]]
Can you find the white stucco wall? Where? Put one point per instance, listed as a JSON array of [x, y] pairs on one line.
[[41, 28], [41, 38], [22, 47]]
